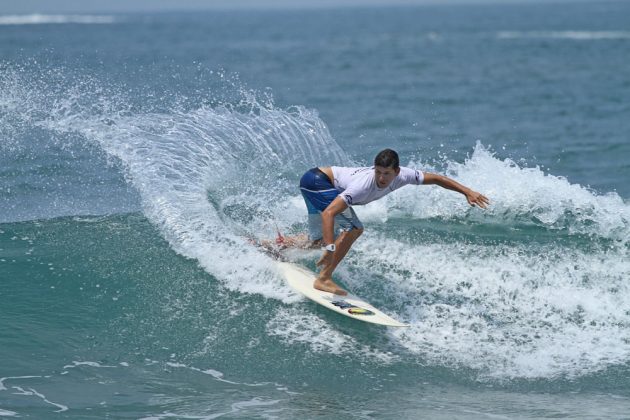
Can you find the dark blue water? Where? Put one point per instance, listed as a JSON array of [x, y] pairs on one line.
[[138, 151]]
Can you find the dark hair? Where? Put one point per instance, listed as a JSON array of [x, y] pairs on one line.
[[387, 158]]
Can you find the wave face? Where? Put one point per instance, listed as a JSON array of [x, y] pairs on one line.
[[134, 172], [207, 177], [535, 288]]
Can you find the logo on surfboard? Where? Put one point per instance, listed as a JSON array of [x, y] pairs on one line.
[[352, 309]]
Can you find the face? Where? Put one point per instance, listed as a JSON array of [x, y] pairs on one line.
[[385, 176]]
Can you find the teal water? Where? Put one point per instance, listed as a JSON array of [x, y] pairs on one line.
[[138, 151]]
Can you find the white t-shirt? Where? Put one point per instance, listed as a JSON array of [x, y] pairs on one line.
[[358, 186]]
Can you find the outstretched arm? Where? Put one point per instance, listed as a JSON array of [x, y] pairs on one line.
[[473, 197]]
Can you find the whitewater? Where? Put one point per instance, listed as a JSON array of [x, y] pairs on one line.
[[130, 192]]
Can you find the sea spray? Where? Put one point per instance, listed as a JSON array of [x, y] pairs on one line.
[[521, 196], [185, 162], [210, 176]]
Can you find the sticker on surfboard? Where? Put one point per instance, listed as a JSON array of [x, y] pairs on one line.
[[301, 280], [352, 309]]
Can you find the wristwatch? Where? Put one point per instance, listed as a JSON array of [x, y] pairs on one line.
[[329, 247]]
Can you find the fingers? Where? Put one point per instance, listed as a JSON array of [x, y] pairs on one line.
[[479, 200], [482, 201]]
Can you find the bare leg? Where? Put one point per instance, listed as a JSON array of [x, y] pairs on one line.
[[299, 241], [324, 279]]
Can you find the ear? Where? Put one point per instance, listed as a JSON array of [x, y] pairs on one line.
[[397, 171]]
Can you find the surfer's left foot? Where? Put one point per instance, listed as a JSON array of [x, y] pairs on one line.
[[327, 285]]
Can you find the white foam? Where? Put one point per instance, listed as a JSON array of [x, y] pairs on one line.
[[572, 35], [507, 311], [2, 380], [298, 325], [40, 19], [240, 407], [519, 196], [219, 376], [214, 373], [192, 168], [31, 391], [90, 364]]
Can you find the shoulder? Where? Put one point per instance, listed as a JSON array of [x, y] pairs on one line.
[[410, 176]]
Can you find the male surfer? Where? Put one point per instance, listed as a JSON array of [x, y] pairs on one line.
[[330, 193]]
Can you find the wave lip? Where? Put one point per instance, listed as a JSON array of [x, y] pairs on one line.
[[573, 35], [39, 19]]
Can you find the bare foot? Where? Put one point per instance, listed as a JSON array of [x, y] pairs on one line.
[[327, 285]]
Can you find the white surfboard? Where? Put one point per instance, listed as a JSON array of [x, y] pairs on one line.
[[301, 280]]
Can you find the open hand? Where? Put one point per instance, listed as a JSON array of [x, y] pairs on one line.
[[476, 199]]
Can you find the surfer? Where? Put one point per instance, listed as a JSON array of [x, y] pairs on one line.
[[330, 193]]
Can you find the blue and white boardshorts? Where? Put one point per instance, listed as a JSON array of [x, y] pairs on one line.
[[318, 193]]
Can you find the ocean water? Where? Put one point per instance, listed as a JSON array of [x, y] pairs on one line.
[[139, 151]]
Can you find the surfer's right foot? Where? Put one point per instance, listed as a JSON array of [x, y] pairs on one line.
[[330, 286]]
